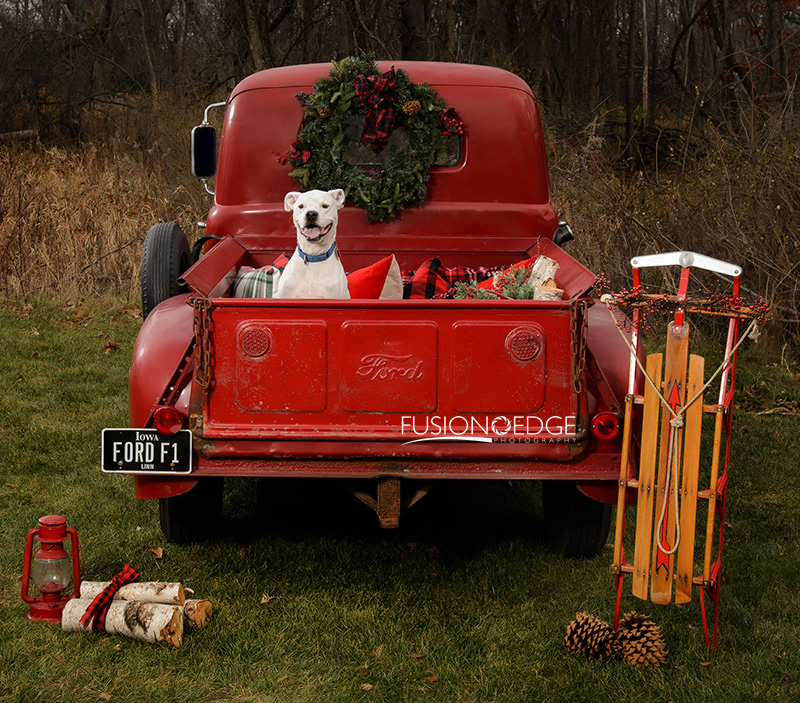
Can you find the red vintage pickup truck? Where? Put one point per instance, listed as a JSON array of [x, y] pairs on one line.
[[374, 391]]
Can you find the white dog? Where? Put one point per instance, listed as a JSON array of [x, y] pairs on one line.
[[314, 271]]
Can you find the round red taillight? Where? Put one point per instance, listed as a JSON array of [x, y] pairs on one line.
[[167, 419], [606, 425]]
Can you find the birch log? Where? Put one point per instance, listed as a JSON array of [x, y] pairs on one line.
[[543, 270], [548, 292], [147, 622], [145, 592], [197, 612]]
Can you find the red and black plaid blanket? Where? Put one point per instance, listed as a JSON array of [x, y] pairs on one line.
[[433, 280]]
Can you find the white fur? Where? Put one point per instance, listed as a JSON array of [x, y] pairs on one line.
[[315, 235]]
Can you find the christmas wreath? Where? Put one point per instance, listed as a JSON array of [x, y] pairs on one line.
[[356, 95]]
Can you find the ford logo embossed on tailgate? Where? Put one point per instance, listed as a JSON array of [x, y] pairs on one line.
[[389, 366], [376, 367]]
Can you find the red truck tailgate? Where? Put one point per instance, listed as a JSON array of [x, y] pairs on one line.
[[391, 371]]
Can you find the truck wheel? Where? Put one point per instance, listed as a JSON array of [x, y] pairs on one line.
[[576, 525], [165, 256], [192, 516]]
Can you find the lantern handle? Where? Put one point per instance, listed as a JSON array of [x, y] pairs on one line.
[[77, 555], [26, 567]]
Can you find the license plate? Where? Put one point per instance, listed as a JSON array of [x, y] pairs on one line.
[[146, 451]]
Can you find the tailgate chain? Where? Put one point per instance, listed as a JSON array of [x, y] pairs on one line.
[[202, 334], [578, 343]]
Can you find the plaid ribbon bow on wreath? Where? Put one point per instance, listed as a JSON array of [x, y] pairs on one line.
[[98, 608], [378, 95]]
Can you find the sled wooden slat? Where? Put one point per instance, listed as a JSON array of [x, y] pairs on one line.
[[676, 358], [693, 424], [647, 466]]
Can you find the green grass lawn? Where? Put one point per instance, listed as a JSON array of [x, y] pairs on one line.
[[314, 603]]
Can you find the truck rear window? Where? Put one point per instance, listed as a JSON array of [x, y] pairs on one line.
[[362, 154]]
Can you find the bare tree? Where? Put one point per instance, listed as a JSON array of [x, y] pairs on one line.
[[65, 64]]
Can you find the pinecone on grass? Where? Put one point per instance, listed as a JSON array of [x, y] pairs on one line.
[[591, 637], [641, 642]]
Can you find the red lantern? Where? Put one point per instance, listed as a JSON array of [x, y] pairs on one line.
[[55, 572]]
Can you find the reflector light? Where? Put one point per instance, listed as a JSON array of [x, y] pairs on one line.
[[256, 342], [606, 425], [524, 344], [167, 419]]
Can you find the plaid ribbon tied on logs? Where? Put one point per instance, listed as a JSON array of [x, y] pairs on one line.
[[378, 95], [98, 608]]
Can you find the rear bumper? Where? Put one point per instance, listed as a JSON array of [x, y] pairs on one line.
[[593, 466]]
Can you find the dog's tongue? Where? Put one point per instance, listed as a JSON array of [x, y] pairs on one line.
[[313, 232]]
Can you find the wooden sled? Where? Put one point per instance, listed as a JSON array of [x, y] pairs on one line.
[[671, 554]]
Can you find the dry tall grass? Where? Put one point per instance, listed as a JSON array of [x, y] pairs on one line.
[[72, 221], [732, 200]]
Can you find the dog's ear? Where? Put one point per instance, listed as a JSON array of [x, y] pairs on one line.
[[338, 197], [290, 200]]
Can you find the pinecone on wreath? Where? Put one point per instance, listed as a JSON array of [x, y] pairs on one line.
[[591, 637], [641, 642], [412, 107]]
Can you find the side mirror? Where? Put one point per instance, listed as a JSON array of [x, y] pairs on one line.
[[563, 234], [204, 151]]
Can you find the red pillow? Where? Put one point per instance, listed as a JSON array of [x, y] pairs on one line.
[[488, 284], [380, 280]]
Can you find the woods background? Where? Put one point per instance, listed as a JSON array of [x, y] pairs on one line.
[[672, 123]]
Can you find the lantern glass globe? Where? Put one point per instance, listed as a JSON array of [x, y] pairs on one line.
[[51, 574]]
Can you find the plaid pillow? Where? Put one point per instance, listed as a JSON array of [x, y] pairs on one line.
[[428, 280], [281, 261], [256, 283]]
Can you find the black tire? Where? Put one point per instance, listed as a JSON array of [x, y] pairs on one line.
[[165, 256], [192, 516], [576, 525]]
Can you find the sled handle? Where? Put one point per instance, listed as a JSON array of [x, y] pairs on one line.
[[686, 259]]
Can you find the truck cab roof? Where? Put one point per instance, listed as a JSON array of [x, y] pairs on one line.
[[435, 73]]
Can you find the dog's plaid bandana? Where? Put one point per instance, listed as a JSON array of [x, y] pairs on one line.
[[378, 95], [98, 608]]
